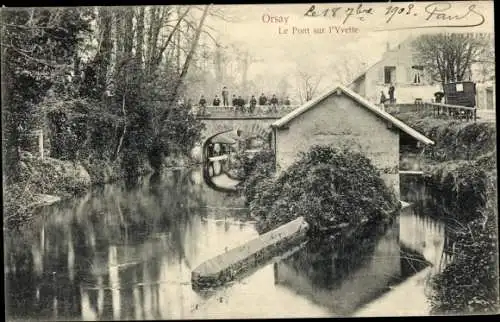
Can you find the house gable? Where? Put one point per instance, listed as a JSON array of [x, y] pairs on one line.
[[343, 91], [337, 120]]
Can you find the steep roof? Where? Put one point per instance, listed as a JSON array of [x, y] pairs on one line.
[[405, 42], [363, 102], [363, 73]]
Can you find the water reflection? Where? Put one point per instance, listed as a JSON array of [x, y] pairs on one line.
[[427, 236], [425, 227], [124, 252], [347, 275]]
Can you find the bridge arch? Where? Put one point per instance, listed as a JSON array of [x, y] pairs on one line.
[[236, 131], [238, 128]]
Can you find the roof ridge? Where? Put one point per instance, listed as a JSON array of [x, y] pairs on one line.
[[362, 101]]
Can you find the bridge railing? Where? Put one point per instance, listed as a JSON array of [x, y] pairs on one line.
[[437, 109], [232, 111]]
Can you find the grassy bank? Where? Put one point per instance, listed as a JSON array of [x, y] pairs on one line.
[[461, 178], [49, 180]]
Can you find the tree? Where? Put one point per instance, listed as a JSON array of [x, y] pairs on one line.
[[307, 85], [107, 80], [189, 57], [345, 68], [39, 47], [449, 57], [283, 87]]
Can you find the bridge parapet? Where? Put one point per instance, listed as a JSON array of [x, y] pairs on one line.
[[260, 112]]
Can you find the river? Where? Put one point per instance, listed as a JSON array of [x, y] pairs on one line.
[[127, 253]]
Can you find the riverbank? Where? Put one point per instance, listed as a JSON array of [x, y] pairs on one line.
[[461, 178], [48, 181], [460, 169]]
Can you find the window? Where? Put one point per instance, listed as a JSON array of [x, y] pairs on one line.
[[389, 74], [417, 74], [460, 87]]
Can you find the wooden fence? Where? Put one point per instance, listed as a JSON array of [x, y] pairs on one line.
[[437, 109]]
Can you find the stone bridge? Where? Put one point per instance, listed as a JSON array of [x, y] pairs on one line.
[[232, 128], [248, 127], [225, 124], [220, 120]]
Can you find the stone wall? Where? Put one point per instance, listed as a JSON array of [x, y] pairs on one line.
[[227, 266], [342, 122]]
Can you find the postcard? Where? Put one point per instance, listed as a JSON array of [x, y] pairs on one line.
[[249, 161]]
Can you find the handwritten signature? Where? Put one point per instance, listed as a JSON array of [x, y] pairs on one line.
[[436, 14]]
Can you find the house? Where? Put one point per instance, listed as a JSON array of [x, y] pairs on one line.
[[398, 66], [485, 95], [342, 118]]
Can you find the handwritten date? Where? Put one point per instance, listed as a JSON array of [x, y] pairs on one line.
[[391, 11], [359, 12], [440, 12]]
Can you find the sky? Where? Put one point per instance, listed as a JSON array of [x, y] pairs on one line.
[[282, 53]]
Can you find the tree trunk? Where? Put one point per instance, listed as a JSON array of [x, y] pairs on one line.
[[128, 32], [155, 25], [157, 59], [189, 57], [102, 60], [245, 72], [178, 51], [120, 142], [218, 64], [140, 37], [119, 39], [149, 45]]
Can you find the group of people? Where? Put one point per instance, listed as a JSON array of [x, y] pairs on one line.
[[391, 99], [239, 104]]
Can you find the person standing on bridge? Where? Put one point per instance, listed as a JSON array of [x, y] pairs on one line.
[[253, 103], [225, 99], [274, 103], [234, 103], [391, 94], [262, 99], [203, 104], [241, 104], [216, 101], [383, 99]]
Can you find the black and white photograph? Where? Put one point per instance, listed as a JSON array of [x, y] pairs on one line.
[[245, 161]]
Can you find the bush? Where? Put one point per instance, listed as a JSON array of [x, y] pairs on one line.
[[52, 176], [470, 283], [455, 140], [460, 187], [254, 169], [102, 170], [18, 204], [327, 186]]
